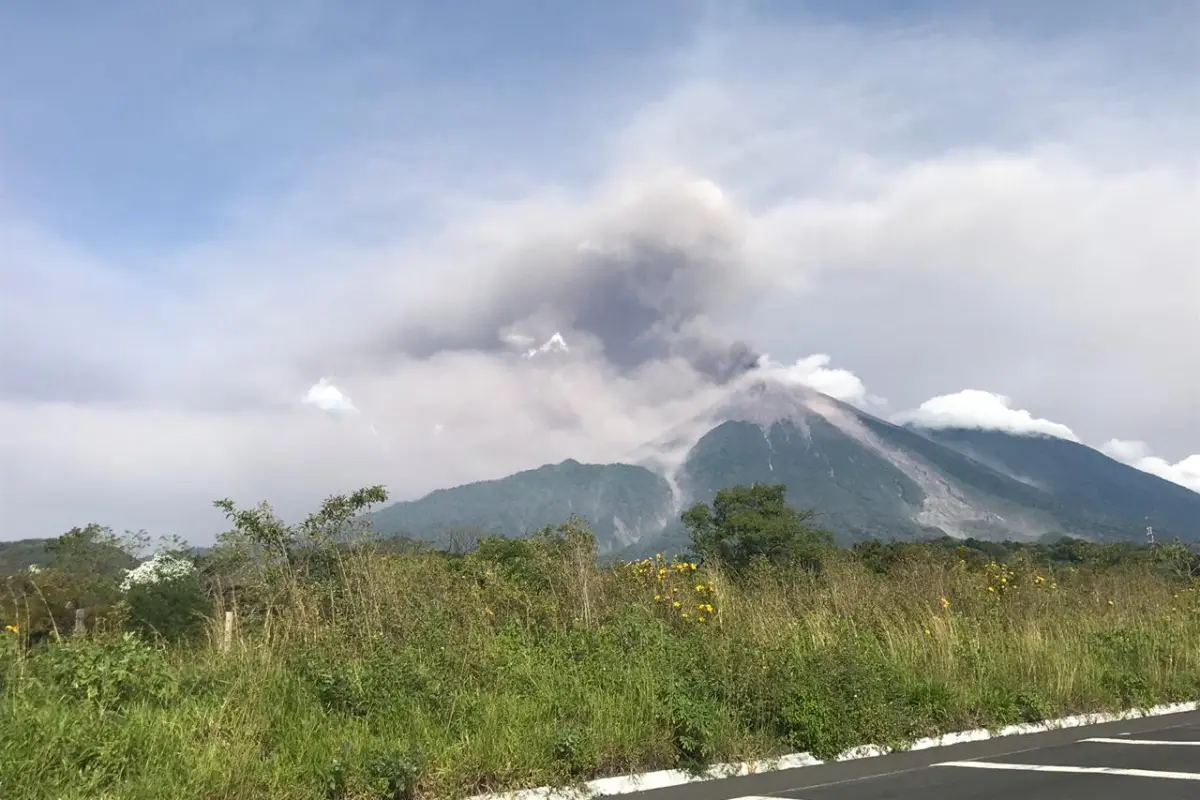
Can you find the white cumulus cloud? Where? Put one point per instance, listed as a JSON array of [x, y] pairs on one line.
[[1138, 454], [329, 398], [973, 408], [814, 372]]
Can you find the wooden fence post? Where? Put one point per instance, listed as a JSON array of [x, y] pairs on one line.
[[227, 639], [80, 614]]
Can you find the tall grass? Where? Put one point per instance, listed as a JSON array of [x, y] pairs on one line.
[[421, 675]]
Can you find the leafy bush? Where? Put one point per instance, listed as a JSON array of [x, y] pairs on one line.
[[164, 597], [395, 773], [110, 673]]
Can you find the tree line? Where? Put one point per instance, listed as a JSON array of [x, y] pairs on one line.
[[743, 526]]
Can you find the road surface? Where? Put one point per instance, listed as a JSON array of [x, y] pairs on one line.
[[1155, 758]]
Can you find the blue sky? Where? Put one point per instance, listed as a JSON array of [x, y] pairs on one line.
[[135, 124], [204, 207], [130, 126]]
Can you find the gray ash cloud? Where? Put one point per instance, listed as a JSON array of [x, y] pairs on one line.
[[642, 290]]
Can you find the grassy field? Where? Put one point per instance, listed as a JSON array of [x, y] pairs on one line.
[[418, 675]]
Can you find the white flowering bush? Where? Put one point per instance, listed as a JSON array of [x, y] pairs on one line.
[[163, 567], [165, 597]]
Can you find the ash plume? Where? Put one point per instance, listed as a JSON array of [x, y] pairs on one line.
[[634, 281]]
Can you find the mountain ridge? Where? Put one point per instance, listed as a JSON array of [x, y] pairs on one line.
[[866, 478]]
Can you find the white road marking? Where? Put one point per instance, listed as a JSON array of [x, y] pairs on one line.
[[1132, 773], [757, 797], [1167, 742]]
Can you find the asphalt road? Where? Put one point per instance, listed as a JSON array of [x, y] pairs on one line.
[[1147, 759]]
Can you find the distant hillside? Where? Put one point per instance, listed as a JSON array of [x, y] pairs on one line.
[[865, 477], [19, 555], [623, 503]]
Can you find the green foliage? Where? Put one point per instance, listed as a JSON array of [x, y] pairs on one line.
[[259, 528], [335, 522], [334, 779], [1169, 558], [837, 699], [362, 671], [83, 568], [272, 563], [172, 609], [395, 773], [108, 673], [515, 558], [691, 720], [574, 750], [753, 522], [91, 551]]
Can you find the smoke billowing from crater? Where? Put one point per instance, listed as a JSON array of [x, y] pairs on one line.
[[633, 279]]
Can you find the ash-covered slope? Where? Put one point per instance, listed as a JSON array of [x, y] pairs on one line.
[[866, 477], [1116, 496]]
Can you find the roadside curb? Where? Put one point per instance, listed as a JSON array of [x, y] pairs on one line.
[[663, 779]]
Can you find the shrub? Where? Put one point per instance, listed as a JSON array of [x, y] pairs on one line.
[[109, 673], [164, 597]]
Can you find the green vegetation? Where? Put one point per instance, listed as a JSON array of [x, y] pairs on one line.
[[755, 522], [368, 669]]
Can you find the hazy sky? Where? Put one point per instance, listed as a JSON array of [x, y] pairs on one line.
[[205, 207]]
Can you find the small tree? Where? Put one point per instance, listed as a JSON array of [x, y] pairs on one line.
[[750, 522], [274, 564], [83, 569]]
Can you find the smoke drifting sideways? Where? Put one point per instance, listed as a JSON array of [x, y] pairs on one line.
[[634, 280], [1185, 472]]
